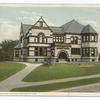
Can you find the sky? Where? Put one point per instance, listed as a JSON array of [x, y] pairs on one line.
[[11, 18]]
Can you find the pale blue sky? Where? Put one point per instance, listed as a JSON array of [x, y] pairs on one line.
[[11, 17]]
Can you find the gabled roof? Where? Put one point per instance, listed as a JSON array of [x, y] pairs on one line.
[[44, 23], [25, 28], [88, 29], [72, 27]]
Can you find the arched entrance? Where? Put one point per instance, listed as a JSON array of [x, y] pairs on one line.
[[62, 56]]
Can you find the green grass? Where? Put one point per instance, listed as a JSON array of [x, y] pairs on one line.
[[9, 68], [62, 70], [56, 86]]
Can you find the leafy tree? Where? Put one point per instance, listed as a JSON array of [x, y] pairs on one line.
[[7, 49]]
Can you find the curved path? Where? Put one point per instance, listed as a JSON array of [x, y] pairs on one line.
[[16, 79]]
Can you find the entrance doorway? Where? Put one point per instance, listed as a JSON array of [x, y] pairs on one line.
[[63, 56]]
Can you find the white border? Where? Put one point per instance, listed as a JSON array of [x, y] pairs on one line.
[[50, 1], [48, 94]]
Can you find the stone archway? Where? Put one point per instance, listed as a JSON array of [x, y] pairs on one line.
[[62, 56]]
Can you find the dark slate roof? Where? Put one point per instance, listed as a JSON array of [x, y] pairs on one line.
[[88, 29], [56, 29], [18, 46], [72, 27], [26, 27]]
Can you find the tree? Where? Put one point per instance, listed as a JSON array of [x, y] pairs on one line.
[[48, 60], [7, 50]]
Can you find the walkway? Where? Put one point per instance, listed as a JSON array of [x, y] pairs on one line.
[[25, 84], [95, 87], [16, 79]]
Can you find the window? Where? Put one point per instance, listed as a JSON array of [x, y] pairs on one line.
[[74, 40], [85, 38], [89, 38], [30, 32], [36, 51], [92, 38], [96, 38], [45, 41], [45, 51], [93, 51], [54, 38], [17, 53], [89, 51], [41, 38], [34, 39], [75, 51], [40, 51], [24, 52], [41, 24], [58, 38], [86, 52]]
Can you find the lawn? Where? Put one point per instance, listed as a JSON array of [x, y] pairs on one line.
[[9, 68], [56, 86], [62, 70]]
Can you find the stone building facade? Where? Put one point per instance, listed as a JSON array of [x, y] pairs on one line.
[[70, 42]]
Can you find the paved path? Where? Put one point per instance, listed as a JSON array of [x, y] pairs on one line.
[[25, 84], [16, 79], [85, 88]]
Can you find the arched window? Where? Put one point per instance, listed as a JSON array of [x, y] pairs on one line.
[[41, 38], [74, 40]]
